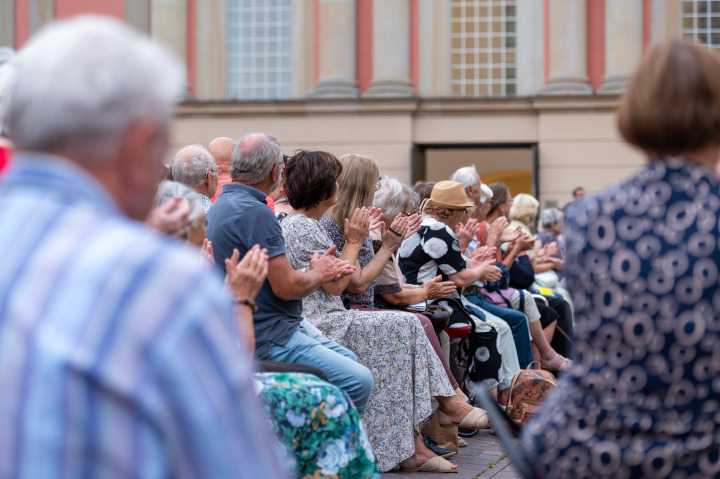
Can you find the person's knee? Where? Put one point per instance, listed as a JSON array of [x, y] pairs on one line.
[[360, 387]]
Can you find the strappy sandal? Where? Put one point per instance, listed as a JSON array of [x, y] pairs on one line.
[[552, 365], [435, 464], [475, 419]]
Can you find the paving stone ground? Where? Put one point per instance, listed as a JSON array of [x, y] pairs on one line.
[[482, 458]]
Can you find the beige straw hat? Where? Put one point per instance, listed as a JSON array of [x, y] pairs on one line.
[[449, 194]]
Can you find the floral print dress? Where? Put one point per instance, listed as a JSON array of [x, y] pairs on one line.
[[318, 425], [407, 373]]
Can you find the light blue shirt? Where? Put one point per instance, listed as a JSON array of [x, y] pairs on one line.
[[118, 355]]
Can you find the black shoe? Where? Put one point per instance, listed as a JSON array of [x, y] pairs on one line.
[[462, 432], [440, 451]]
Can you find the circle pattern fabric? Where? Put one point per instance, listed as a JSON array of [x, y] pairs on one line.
[[642, 397]]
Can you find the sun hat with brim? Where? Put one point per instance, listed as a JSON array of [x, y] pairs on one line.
[[449, 194]]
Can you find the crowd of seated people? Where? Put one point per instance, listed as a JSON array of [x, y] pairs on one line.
[[351, 256], [331, 267], [283, 325]]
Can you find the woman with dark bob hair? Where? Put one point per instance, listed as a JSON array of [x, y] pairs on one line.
[[409, 380], [641, 398]]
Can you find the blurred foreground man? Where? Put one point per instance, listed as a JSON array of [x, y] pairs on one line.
[[118, 354]]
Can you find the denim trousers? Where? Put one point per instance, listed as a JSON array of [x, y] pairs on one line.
[[515, 319], [338, 363]]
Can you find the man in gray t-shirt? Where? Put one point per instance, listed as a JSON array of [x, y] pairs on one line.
[[240, 218]]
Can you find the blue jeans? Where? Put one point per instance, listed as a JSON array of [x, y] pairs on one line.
[[515, 319], [338, 363]]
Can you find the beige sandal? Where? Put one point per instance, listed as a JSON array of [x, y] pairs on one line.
[[435, 464], [552, 365], [475, 419]]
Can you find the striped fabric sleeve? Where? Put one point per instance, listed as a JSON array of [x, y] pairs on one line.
[[218, 428]]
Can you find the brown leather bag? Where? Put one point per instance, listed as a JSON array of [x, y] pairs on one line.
[[438, 316], [528, 390]]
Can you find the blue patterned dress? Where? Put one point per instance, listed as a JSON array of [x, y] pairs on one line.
[[642, 398]]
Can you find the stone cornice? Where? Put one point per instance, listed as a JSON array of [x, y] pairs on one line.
[[399, 106]]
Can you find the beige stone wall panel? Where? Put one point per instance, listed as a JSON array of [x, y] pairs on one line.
[[566, 126], [211, 49], [476, 129], [434, 48], [303, 45]]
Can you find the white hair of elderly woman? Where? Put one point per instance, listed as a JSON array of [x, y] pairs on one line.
[[550, 216], [467, 175], [168, 189], [391, 197], [7, 77], [81, 83]]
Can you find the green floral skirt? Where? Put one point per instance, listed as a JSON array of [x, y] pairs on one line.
[[319, 425]]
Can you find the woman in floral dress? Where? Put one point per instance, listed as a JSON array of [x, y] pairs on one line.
[[409, 380]]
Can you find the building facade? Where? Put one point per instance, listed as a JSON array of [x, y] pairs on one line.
[[524, 89]]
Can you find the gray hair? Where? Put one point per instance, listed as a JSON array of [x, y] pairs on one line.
[[82, 83], [550, 216], [192, 164], [390, 197], [467, 175], [412, 198], [168, 189], [254, 157], [8, 72]]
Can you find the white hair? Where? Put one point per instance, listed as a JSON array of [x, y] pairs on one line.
[[82, 83], [390, 197], [467, 175], [412, 198], [487, 193], [192, 164], [168, 189], [550, 216], [253, 158]]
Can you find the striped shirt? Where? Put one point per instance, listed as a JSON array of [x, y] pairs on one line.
[[118, 355]]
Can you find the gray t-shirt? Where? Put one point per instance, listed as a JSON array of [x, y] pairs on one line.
[[240, 218]]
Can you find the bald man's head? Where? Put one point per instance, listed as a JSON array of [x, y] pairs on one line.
[[221, 149]]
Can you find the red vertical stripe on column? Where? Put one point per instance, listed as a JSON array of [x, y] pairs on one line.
[[414, 48], [22, 22], [647, 23], [191, 49], [71, 8], [596, 42], [546, 37], [363, 43]]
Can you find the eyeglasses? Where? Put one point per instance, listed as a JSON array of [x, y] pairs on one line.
[[378, 184], [285, 159]]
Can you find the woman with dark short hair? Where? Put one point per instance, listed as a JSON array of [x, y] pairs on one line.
[[641, 398], [409, 380]]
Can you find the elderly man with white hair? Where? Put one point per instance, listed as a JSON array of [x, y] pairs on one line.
[[119, 355], [195, 167], [475, 190]]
